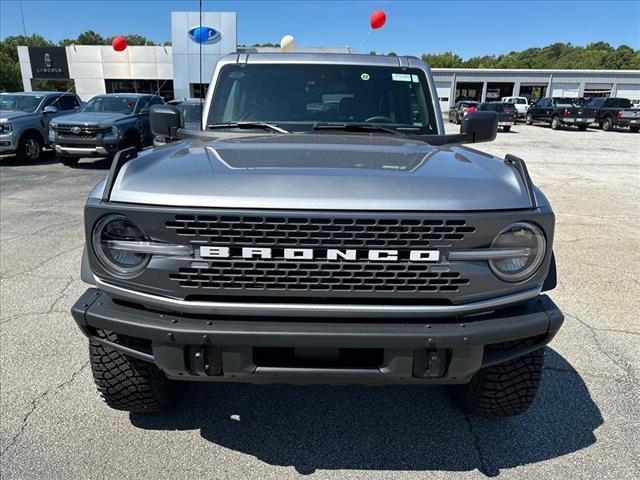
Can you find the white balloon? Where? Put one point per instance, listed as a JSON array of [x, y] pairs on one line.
[[288, 43]]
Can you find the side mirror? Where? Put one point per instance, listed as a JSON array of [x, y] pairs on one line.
[[481, 126], [50, 109], [165, 120]]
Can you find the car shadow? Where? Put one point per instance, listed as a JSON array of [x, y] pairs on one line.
[[384, 428], [46, 158]]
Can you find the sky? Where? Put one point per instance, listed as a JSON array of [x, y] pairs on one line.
[[468, 28]]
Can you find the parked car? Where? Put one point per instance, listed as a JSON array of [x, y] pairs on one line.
[[507, 113], [615, 112], [25, 117], [521, 104], [287, 243], [559, 112], [460, 109], [191, 109], [105, 124]]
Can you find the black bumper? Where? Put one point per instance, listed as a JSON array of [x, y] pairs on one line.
[[308, 351]]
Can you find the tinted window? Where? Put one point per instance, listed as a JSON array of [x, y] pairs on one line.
[[565, 102], [190, 111], [595, 102], [298, 96], [68, 102], [113, 104], [20, 103], [624, 103], [521, 101], [52, 100]]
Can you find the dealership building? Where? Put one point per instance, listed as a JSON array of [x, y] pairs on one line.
[[176, 71]]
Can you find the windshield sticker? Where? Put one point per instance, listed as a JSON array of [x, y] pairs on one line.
[[365, 76], [401, 77], [414, 79]]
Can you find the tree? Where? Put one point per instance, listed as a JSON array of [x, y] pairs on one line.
[[91, 38]]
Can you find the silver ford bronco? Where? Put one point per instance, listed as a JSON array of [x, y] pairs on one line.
[[322, 228]]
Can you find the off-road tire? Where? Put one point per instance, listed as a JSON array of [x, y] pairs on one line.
[[634, 129], [555, 123], [67, 161], [529, 119], [506, 129], [502, 390], [582, 128], [30, 147], [127, 383], [607, 124]]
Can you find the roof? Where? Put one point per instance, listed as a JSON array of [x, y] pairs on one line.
[[36, 93], [127, 95], [324, 58]]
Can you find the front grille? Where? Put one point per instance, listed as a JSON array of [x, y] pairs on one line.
[[85, 131], [329, 232], [318, 277]]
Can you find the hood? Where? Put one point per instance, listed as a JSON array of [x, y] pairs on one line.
[[324, 172], [11, 114], [89, 118]]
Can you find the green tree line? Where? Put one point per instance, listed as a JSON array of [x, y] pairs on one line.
[[563, 56]]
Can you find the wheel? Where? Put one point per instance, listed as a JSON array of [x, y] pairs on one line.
[[634, 129], [582, 128], [607, 124], [506, 129], [555, 123], [67, 161], [127, 383], [30, 147], [529, 119], [502, 390]]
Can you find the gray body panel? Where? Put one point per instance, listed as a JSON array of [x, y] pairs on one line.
[[321, 172]]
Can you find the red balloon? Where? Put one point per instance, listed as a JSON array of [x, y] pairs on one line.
[[378, 19], [119, 43]]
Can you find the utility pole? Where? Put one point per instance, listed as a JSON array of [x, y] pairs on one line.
[[24, 27]]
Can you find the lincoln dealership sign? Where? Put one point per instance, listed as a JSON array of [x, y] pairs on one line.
[[49, 62]]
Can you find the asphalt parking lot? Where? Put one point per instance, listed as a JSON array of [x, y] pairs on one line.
[[585, 422]]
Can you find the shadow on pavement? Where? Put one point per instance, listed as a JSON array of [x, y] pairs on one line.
[[384, 428], [48, 157]]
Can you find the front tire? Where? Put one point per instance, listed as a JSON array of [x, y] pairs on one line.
[[126, 383], [634, 129], [529, 119], [30, 147], [503, 390], [607, 124], [506, 129]]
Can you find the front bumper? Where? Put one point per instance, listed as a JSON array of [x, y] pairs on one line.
[[100, 146], [8, 144], [306, 350]]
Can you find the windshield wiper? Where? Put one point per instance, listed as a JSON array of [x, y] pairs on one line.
[[248, 126], [355, 127]]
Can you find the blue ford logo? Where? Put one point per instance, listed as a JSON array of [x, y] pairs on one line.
[[204, 34]]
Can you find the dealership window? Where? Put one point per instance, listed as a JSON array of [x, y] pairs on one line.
[[164, 88], [198, 90]]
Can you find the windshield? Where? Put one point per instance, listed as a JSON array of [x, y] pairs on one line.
[[20, 103], [298, 96], [111, 104], [190, 112]]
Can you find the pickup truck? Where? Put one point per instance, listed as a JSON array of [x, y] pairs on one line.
[[506, 112], [615, 112], [323, 228], [103, 126], [521, 104], [24, 121], [559, 112]]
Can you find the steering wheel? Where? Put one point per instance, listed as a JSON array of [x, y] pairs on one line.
[[379, 119]]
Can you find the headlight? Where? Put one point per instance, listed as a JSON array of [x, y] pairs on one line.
[[523, 236], [114, 131], [121, 263], [5, 127]]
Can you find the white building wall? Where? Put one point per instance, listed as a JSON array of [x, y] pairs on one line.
[[186, 52]]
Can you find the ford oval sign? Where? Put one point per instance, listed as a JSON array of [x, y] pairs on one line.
[[204, 34]]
